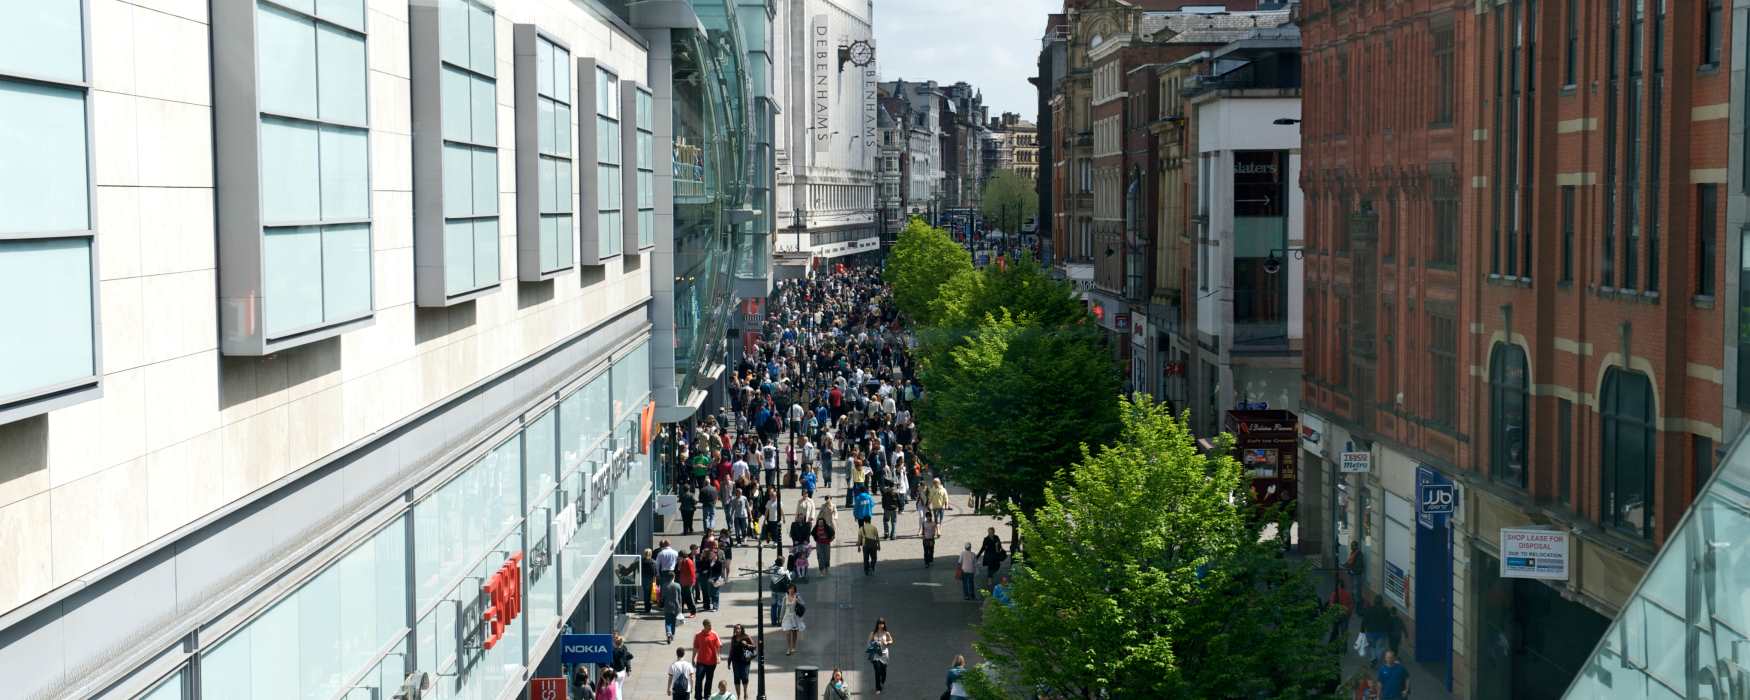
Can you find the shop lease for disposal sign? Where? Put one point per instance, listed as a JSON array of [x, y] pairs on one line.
[[1534, 554]]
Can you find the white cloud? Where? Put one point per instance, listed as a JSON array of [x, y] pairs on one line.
[[991, 44]]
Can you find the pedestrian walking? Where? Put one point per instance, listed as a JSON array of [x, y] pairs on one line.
[[712, 576], [869, 542], [689, 505], [743, 650], [823, 536], [1394, 679], [929, 532], [671, 608], [723, 692], [647, 580], [957, 688], [622, 661], [609, 687], [880, 646], [680, 676], [991, 552], [836, 688], [936, 496], [705, 646], [793, 625], [666, 560], [687, 574], [967, 572], [708, 502], [889, 510], [1340, 597]]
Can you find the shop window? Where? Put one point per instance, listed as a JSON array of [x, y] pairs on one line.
[[1509, 417], [1628, 451]]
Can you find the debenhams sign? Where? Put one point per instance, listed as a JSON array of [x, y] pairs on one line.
[[821, 95]]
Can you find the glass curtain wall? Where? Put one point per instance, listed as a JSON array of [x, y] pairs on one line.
[[1685, 632], [530, 510], [710, 172]]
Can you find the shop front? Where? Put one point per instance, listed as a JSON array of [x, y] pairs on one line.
[[463, 588]]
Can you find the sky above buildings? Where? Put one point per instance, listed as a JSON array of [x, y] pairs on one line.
[[991, 44]]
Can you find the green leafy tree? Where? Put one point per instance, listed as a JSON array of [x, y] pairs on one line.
[[1020, 286], [1009, 200], [923, 259], [1147, 576], [1009, 405]]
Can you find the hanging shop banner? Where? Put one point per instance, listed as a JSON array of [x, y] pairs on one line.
[[1527, 553], [820, 90], [1312, 431], [1436, 497], [668, 505], [1356, 463], [565, 525]]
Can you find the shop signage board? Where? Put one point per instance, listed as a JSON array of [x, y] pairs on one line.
[[1397, 584], [1435, 499], [1356, 463], [1267, 443], [547, 689], [626, 570], [1534, 553], [565, 525], [586, 648]]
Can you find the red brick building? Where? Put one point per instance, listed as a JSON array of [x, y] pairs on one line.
[[1513, 213]]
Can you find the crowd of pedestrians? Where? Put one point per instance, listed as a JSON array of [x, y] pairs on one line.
[[821, 403]]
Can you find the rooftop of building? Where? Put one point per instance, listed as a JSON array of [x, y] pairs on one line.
[[1208, 27]]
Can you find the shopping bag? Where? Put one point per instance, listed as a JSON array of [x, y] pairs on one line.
[[1361, 645]]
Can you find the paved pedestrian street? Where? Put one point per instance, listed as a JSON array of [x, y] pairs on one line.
[[929, 620]]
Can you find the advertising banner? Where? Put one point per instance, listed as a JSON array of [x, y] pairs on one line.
[[586, 648], [547, 689], [820, 89], [1356, 463]]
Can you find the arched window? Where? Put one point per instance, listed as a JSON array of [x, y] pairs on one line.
[[1626, 407], [1508, 413]]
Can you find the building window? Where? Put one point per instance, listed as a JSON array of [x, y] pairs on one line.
[[469, 112], [1701, 463], [1443, 364], [1657, 58], [609, 230], [1711, 23], [1508, 414], [647, 170], [1613, 72], [315, 175], [1628, 451], [1445, 228], [46, 228], [554, 168], [1564, 451], [1707, 200], [1571, 52], [1634, 143], [1568, 233], [1445, 77]]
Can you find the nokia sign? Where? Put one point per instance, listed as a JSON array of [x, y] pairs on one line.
[[586, 648]]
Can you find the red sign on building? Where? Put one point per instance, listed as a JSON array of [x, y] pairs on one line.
[[504, 591], [546, 689]]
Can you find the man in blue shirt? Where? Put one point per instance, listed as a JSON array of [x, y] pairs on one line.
[[1394, 679]]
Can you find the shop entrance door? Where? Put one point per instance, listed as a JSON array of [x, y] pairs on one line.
[[1433, 591]]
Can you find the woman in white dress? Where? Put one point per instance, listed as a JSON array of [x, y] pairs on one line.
[[793, 625]]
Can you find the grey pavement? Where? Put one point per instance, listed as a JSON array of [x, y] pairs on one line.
[[930, 621]]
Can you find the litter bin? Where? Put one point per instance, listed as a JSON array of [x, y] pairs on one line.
[[807, 682]]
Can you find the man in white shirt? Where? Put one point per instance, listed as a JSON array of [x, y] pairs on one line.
[[666, 559], [889, 406], [738, 470], [680, 677]]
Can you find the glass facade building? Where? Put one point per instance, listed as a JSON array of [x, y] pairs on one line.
[[1685, 633]]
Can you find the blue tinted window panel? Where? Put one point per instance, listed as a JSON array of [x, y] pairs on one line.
[[458, 256], [563, 229], [563, 190], [480, 40], [458, 180], [292, 283], [290, 172], [346, 181], [48, 320], [43, 38], [453, 44], [340, 75], [561, 130], [549, 194], [348, 13], [286, 43], [346, 272], [43, 176], [561, 75], [455, 91], [549, 244], [544, 127], [485, 252], [543, 67], [484, 102], [485, 181]]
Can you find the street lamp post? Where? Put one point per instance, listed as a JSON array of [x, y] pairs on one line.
[[760, 602]]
